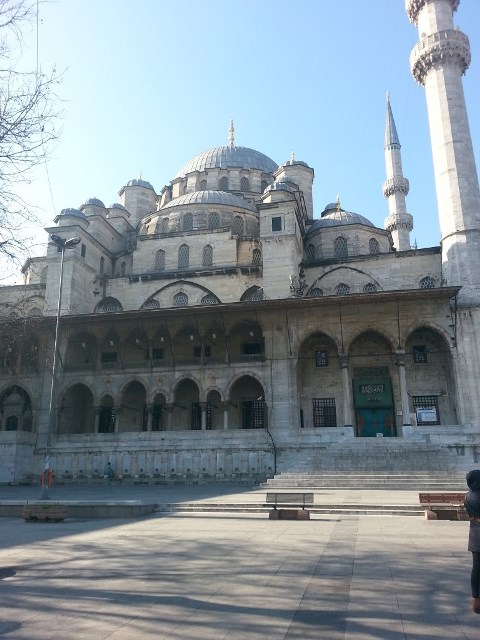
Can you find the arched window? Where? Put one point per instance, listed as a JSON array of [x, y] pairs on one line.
[[188, 222], [340, 247], [223, 184], [244, 184], [316, 293], [122, 269], [180, 300], [342, 289], [237, 228], [310, 252], [207, 256], [151, 304], [254, 293], [102, 266], [109, 305], [160, 260], [203, 185], [257, 257], [374, 246], [427, 283], [370, 288], [263, 185], [213, 220], [165, 225], [183, 256], [209, 299], [35, 311]]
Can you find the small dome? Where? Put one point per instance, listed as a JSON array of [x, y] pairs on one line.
[[137, 182], [93, 202], [289, 163], [211, 197], [334, 216], [72, 212], [228, 156], [117, 205]]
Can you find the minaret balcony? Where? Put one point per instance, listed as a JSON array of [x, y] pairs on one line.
[[441, 48], [395, 185], [398, 221], [413, 8]]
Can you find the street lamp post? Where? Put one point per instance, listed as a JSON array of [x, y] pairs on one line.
[[63, 244]]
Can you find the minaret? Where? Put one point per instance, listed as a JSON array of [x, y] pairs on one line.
[[438, 62], [395, 187]]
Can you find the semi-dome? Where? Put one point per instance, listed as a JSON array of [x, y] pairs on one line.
[[226, 157], [93, 202], [117, 205], [211, 197]]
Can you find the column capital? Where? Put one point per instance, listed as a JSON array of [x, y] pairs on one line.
[[343, 360], [400, 357]]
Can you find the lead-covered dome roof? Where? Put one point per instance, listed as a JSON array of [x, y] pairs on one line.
[[226, 157], [334, 216], [211, 197]]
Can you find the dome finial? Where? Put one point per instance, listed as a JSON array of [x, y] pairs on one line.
[[292, 156], [338, 203], [231, 133]]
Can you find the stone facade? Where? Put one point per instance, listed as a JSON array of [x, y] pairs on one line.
[[218, 329]]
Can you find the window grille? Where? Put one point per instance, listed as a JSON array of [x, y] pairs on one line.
[[253, 414], [157, 353], [183, 256], [370, 288], [237, 226], [203, 185], [180, 300], [196, 420], [321, 358], [257, 257], [209, 409], [157, 418], [160, 260], [109, 305], [213, 220], [342, 289], [223, 184], [426, 410], [277, 223], [340, 247], [420, 354], [151, 304], [427, 283], [188, 222], [310, 252], [207, 256], [256, 293], [324, 412], [106, 420], [209, 299], [244, 184], [316, 293], [374, 246], [251, 348]]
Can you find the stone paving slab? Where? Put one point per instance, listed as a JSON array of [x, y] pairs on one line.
[[217, 576]]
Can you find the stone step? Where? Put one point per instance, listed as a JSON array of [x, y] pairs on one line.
[[332, 509]]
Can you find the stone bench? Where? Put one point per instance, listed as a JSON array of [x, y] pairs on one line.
[[444, 505], [289, 506]]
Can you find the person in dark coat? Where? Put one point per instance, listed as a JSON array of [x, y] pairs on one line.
[[472, 505]]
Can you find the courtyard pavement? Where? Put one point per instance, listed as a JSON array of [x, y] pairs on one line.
[[201, 576]]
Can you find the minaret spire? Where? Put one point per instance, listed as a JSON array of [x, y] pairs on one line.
[[438, 62], [395, 187], [231, 134]]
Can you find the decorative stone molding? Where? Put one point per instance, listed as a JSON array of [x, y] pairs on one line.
[[395, 185], [396, 222], [439, 49], [413, 8]]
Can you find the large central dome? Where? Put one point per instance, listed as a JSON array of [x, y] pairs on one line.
[[228, 157]]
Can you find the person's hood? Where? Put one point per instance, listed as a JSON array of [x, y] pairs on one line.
[[473, 480]]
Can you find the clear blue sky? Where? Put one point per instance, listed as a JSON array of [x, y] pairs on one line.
[[148, 84]]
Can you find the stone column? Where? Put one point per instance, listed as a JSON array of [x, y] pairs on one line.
[[96, 419], [347, 397], [168, 416], [226, 408], [116, 423], [400, 360], [203, 408], [149, 409]]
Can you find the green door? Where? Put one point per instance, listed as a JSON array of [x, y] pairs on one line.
[[374, 409], [371, 422]]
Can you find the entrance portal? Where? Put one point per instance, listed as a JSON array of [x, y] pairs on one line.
[[373, 400]]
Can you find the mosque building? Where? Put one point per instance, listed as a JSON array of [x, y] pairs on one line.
[[225, 327]]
